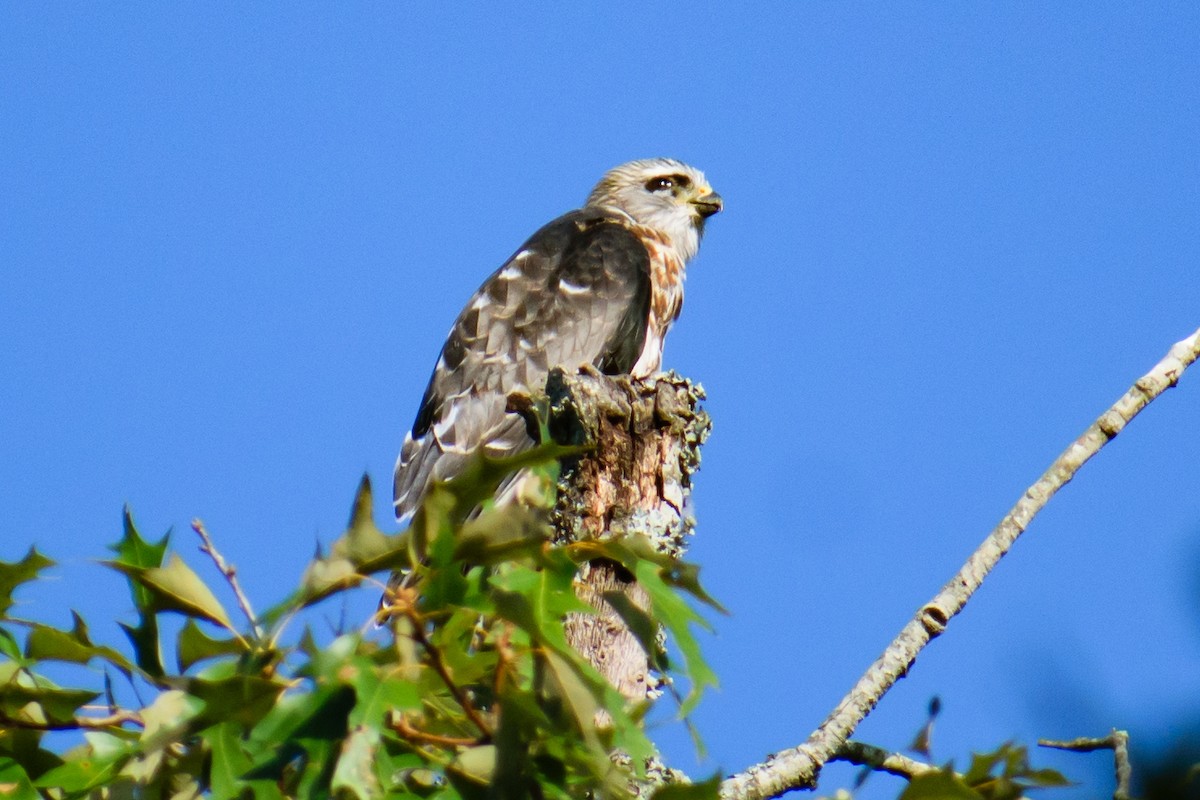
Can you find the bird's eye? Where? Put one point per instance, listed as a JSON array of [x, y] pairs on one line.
[[663, 183]]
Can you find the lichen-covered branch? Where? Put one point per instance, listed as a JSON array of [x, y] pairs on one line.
[[1118, 742], [868, 755], [798, 767]]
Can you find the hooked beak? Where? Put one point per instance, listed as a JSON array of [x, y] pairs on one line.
[[707, 203]]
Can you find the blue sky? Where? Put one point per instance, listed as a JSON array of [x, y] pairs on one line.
[[233, 239]]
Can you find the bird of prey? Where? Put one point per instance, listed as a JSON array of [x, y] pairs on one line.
[[598, 287]]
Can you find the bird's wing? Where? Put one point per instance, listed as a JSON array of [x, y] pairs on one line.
[[576, 293]]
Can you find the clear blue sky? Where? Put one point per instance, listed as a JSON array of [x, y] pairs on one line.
[[232, 241]]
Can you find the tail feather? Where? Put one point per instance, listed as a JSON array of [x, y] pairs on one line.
[[470, 423]]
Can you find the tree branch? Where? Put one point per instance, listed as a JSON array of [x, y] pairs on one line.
[[230, 573], [798, 767], [868, 755], [443, 671], [114, 720], [1118, 742]]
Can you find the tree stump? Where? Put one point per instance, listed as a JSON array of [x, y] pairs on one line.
[[645, 439]]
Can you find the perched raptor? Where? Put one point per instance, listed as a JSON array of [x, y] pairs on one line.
[[598, 286]]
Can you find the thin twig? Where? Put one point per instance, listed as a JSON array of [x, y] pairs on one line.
[[401, 725], [1118, 742], [78, 723], [439, 666], [230, 573], [797, 767], [880, 760]]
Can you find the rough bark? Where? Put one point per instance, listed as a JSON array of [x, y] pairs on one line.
[[636, 477]]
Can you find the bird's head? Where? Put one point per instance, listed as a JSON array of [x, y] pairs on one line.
[[661, 193]]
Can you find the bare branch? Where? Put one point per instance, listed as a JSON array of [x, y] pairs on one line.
[[868, 755], [400, 724], [1118, 742], [230, 573], [443, 671], [798, 767]]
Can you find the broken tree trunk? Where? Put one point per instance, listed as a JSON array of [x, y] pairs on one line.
[[645, 439]]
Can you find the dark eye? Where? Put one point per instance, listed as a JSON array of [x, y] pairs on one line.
[[663, 183]]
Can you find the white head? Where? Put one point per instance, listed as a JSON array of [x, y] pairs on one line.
[[663, 194]]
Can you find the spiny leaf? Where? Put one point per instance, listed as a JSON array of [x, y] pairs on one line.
[[146, 649], [74, 646], [176, 587], [939, 785], [322, 578], [135, 552], [363, 544], [194, 646], [52, 703], [15, 573]]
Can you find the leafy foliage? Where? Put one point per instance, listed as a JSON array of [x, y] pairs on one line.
[[1003, 774], [468, 690]]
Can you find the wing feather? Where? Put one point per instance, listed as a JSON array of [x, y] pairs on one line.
[[577, 293]]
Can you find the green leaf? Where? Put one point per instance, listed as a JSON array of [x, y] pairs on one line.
[[672, 610], [363, 541], [644, 629], [176, 587], [686, 576], [1048, 778], [54, 704], [245, 699], [354, 775], [229, 760], [502, 534], [75, 646], [194, 646], [15, 573], [134, 551], [98, 764], [939, 785], [378, 694], [8, 646], [982, 765], [14, 782], [477, 763], [322, 577], [705, 790], [146, 649], [168, 720], [320, 716], [574, 695]]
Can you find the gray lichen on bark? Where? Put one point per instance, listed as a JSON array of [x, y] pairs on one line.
[[643, 440], [643, 443]]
